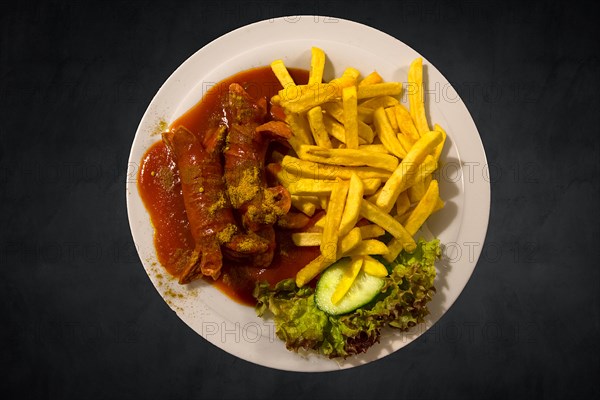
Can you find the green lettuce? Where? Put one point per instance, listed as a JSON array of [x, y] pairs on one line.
[[401, 304]]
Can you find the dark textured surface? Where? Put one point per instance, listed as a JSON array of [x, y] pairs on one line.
[[80, 319]]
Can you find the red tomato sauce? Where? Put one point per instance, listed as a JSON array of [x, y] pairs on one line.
[[160, 189]]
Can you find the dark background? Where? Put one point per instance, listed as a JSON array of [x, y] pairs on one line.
[[80, 318]]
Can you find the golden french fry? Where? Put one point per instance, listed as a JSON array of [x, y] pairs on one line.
[[320, 223], [316, 200], [416, 96], [284, 177], [405, 123], [380, 101], [335, 109], [373, 267], [365, 132], [300, 98], [334, 128], [365, 115], [389, 111], [352, 207], [424, 209], [438, 205], [417, 191], [307, 206], [348, 78], [348, 277], [317, 65], [386, 133], [304, 97], [305, 239], [350, 116], [335, 209], [300, 128], [423, 171], [379, 89], [438, 150], [370, 79], [311, 190], [295, 143], [375, 148], [371, 186], [315, 120], [395, 246], [373, 198], [406, 142], [407, 169], [324, 202], [348, 157], [282, 74], [349, 242], [312, 187], [376, 215], [402, 203], [404, 217], [308, 169], [312, 269], [371, 231], [367, 247]]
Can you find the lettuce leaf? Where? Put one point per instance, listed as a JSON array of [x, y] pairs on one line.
[[402, 304]]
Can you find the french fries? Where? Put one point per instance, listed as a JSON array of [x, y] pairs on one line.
[[333, 218], [371, 231], [386, 133], [370, 79], [379, 89], [391, 114], [402, 203], [438, 150], [349, 103], [360, 156], [316, 187], [315, 170], [380, 101], [303, 239], [416, 97], [423, 209], [352, 208], [348, 157], [282, 74], [306, 204], [317, 65], [314, 268], [416, 191], [375, 148], [366, 247], [405, 123], [315, 120], [409, 166], [415, 219], [374, 214]]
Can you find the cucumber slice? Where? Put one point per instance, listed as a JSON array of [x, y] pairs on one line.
[[364, 289]]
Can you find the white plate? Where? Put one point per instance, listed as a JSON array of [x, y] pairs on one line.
[[461, 225]]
